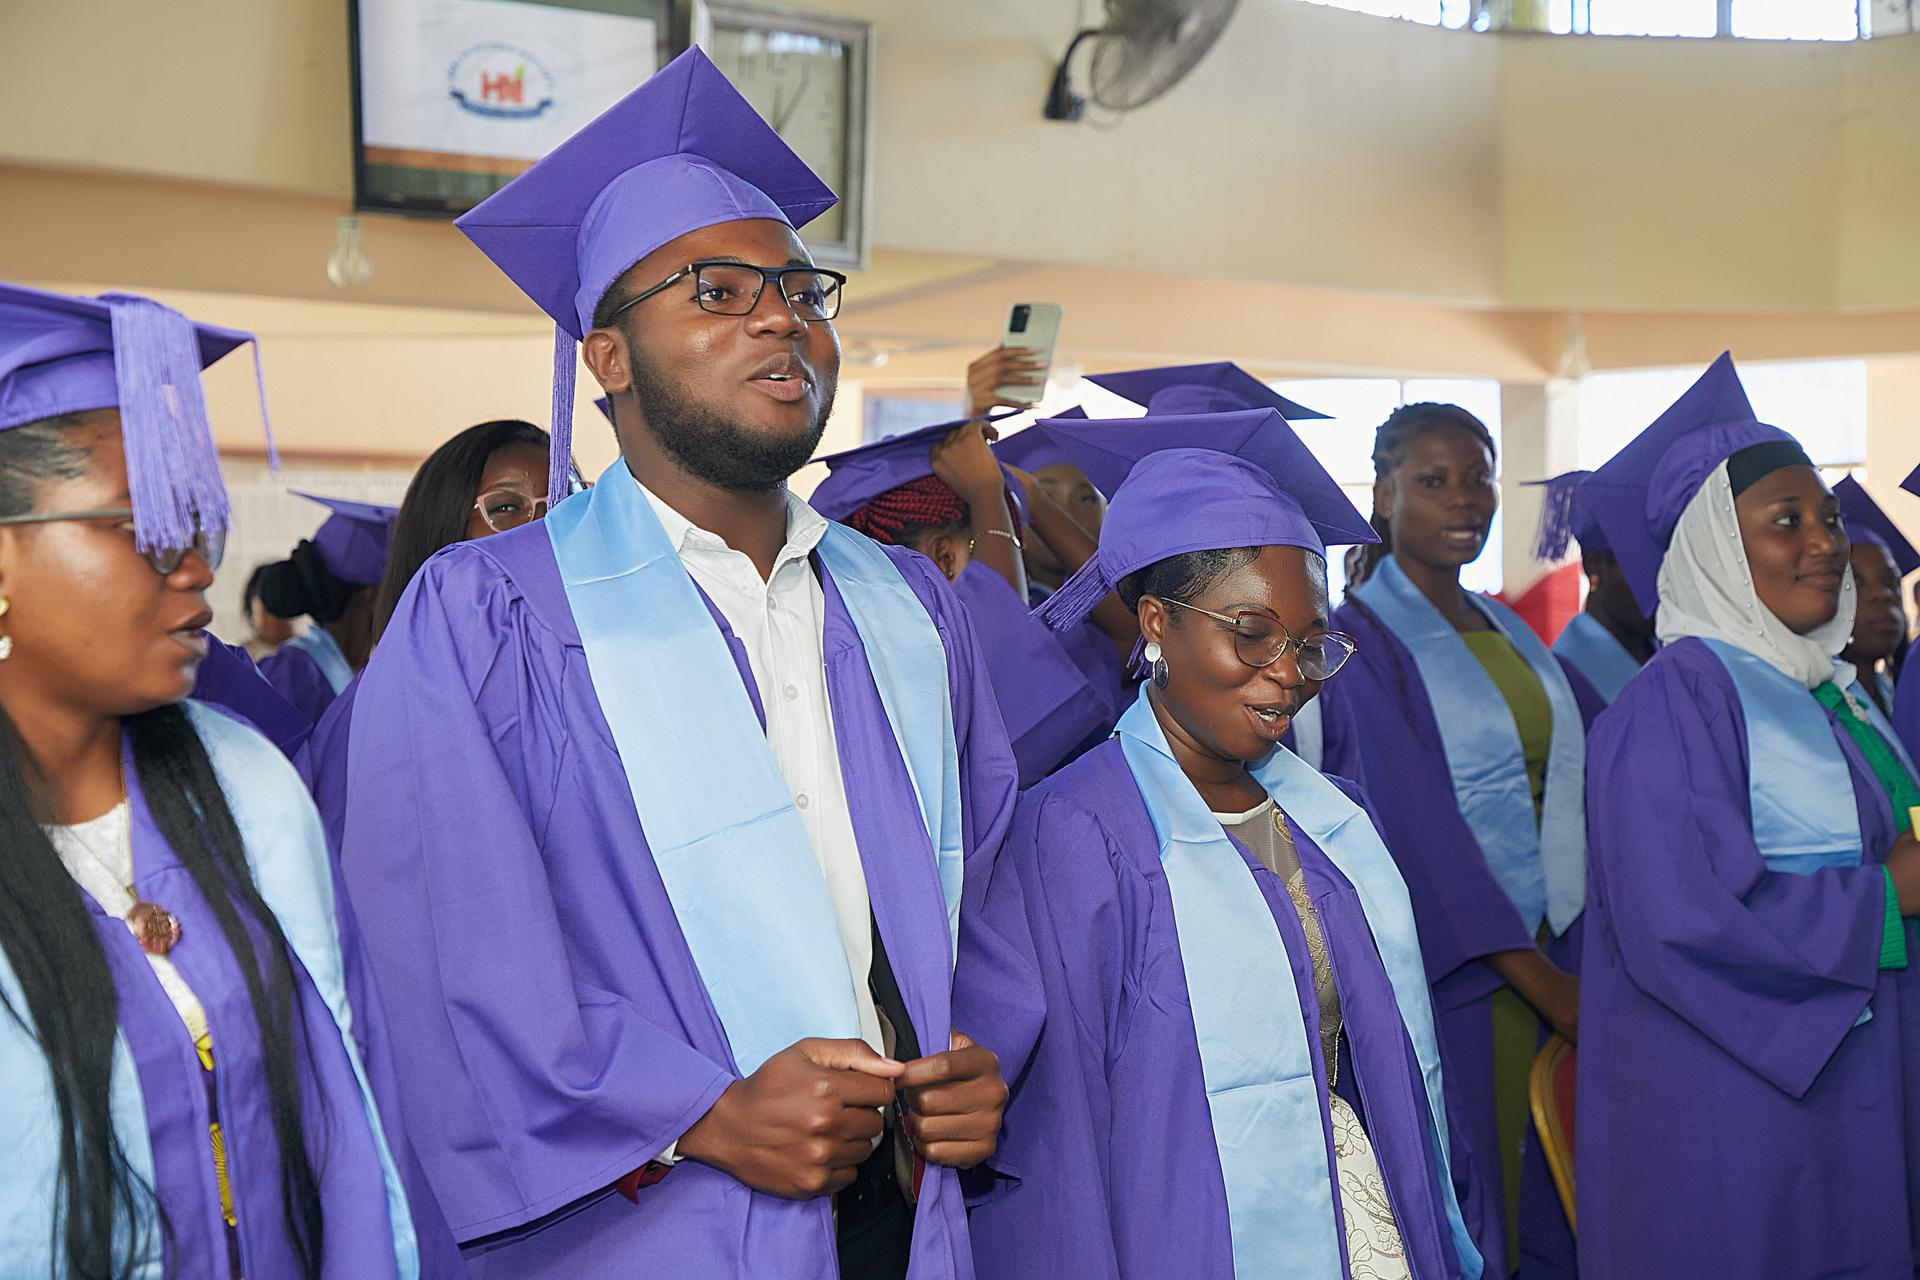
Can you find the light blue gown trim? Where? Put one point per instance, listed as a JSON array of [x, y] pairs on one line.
[[1598, 655], [1542, 865], [318, 643], [718, 815], [1255, 1054]]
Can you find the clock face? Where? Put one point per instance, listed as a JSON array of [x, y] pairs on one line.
[[802, 84]]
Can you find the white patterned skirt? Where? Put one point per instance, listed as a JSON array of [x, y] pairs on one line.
[[1374, 1248]]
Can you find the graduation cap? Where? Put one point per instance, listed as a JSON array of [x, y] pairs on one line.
[[1200, 482], [1637, 497], [681, 152], [62, 354], [353, 540], [1866, 522], [1221, 387], [1912, 483], [1565, 518], [857, 476]]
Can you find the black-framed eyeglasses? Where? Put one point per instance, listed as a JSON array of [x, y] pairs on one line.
[[505, 509], [734, 289], [1259, 640], [209, 545]]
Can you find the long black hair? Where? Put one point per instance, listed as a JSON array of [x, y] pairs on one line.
[[48, 939], [434, 513]]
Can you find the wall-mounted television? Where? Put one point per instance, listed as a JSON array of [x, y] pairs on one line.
[[454, 98]]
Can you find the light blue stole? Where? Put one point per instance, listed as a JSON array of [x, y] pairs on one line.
[[1601, 658], [718, 816], [287, 852], [1799, 788], [1254, 1052], [1541, 864], [318, 643]]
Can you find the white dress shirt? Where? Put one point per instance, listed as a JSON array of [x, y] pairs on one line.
[[782, 623]]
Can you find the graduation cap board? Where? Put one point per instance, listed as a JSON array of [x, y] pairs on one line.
[[857, 476], [1197, 483], [681, 152], [1637, 497], [353, 540], [1867, 522], [62, 354], [1220, 387]]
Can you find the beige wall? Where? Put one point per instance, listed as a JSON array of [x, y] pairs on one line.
[[1313, 147]]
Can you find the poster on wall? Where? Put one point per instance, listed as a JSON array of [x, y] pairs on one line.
[[453, 98]]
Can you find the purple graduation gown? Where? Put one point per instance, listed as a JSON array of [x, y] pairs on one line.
[[228, 679], [1094, 652], [1906, 709], [1733, 1121], [299, 680], [1051, 710], [1380, 729], [552, 1030], [1109, 1128], [340, 1144]]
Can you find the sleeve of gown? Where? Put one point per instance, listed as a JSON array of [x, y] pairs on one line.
[[1060, 1118], [524, 1089], [1773, 968], [1461, 911]]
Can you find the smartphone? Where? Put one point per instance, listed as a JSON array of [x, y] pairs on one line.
[[1035, 326]]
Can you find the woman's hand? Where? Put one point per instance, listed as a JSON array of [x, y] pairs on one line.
[[1553, 993]]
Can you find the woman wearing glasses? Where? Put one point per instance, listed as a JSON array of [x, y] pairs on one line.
[[168, 958], [488, 479], [1238, 1074], [1469, 736]]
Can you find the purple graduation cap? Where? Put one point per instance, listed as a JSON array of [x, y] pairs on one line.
[[1866, 522], [1221, 387], [1912, 483], [1565, 518], [353, 541], [605, 405], [1637, 497], [1031, 450], [62, 354], [1196, 482], [857, 476], [681, 152]]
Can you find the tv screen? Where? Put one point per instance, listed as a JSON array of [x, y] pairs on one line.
[[453, 98]]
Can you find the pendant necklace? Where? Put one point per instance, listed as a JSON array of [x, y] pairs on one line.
[[155, 928]]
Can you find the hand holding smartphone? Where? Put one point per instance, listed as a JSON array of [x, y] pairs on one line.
[[1026, 349]]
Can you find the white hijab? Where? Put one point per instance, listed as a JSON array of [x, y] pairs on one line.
[[1706, 590]]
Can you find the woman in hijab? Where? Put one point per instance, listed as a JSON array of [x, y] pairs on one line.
[[1748, 1009], [1238, 1075]]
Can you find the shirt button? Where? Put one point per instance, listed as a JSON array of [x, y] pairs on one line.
[[793, 694], [802, 800]]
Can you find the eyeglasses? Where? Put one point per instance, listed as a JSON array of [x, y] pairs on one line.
[[505, 509], [209, 544], [1259, 640], [734, 289]]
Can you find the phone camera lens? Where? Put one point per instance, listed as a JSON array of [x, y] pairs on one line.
[[1019, 322]]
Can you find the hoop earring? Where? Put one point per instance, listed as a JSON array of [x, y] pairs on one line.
[[6, 642], [1156, 662]]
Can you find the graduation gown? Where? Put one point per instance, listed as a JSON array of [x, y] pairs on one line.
[[228, 679], [1733, 1118], [551, 1027], [1906, 710], [1109, 1126], [301, 679], [1094, 652], [159, 1092], [1378, 726], [1052, 710]]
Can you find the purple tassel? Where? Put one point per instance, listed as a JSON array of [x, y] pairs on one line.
[[1557, 515], [1137, 660], [173, 470], [1076, 597], [566, 360]]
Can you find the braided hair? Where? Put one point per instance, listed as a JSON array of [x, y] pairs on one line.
[[1403, 425], [910, 511]]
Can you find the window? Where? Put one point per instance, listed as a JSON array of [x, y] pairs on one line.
[[1651, 17], [1432, 13], [1822, 402], [1797, 19], [891, 415], [1753, 19]]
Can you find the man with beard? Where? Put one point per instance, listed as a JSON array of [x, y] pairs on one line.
[[662, 809]]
